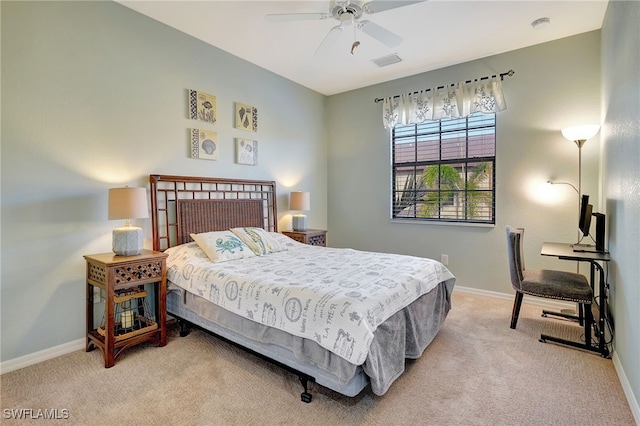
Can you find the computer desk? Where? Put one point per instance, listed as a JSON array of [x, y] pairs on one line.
[[565, 251]]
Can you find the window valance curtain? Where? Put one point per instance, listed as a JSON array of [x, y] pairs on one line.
[[454, 101]]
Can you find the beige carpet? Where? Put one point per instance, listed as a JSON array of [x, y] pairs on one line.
[[476, 372]]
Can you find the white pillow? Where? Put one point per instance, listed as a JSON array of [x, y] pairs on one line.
[[184, 251], [180, 261], [258, 240], [221, 246]]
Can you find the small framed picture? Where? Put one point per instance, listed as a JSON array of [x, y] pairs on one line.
[[246, 151], [202, 106], [204, 144], [246, 117]]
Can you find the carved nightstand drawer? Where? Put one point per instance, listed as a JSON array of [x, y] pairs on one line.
[[313, 237], [133, 273]]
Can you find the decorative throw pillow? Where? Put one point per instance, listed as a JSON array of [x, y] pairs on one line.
[[258, 240], [221, 246]]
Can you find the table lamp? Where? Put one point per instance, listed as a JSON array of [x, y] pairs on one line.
[[300, 201], [127, 203]]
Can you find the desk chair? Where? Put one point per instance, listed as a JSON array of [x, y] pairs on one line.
[[546, 283]]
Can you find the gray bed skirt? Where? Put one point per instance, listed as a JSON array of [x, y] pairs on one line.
[[406, 334]]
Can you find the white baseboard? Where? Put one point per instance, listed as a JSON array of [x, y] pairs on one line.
[[626, 388], [531, 300], [43, 355]]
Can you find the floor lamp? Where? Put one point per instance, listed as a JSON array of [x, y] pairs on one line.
[[579, 135]]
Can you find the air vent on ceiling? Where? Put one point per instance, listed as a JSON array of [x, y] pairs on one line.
[[387, 60]]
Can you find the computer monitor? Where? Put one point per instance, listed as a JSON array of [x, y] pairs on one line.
[[584, 221], [600, 225]]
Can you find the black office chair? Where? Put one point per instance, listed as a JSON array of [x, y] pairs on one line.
[[558, 285]]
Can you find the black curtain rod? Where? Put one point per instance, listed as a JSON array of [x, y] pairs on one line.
[[502, 76]]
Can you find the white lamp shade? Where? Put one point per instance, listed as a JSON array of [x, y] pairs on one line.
[[580, 133], [300, 201], [128, 203]]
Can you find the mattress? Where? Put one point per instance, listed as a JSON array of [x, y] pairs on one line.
[[336, 297]]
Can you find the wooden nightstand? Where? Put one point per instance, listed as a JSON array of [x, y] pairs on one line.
[[123, 280], [313, 237]]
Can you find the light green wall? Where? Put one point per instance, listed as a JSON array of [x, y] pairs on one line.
[[94, 95], [555, 85], [621, 176]]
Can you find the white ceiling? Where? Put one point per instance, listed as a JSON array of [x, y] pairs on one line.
[[436, 33]]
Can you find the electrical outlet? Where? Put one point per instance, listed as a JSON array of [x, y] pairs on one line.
[[444, 259], [96, 295]]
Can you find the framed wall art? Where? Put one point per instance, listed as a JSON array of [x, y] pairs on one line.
[[204, 144], [202, 106], [246, 117], [246, 151]]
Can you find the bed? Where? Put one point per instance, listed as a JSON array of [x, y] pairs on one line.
[[342, 318]]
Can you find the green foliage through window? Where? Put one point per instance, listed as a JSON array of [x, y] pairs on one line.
[[445, 170]]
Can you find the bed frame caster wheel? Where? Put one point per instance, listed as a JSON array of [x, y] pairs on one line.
[[184, 328], [305, 396]]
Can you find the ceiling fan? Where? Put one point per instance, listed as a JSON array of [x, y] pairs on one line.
[[348, 13]]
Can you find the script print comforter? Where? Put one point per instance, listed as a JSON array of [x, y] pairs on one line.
[[336, 297]]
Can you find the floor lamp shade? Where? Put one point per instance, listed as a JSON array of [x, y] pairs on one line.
[[300, 201], [580, 134], [128, 203]]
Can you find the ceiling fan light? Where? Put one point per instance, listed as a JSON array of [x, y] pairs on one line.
[[346, 19]]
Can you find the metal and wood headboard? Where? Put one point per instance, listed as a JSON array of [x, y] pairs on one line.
[[181, 205]]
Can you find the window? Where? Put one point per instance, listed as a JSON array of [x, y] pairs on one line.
[[444, 171]]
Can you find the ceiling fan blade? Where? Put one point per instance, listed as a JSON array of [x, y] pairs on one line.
[[376, 6], [384, 36], [330, 39], [286, 17]]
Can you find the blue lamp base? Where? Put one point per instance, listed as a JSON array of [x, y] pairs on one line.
[[127, 241], [299, 222]]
